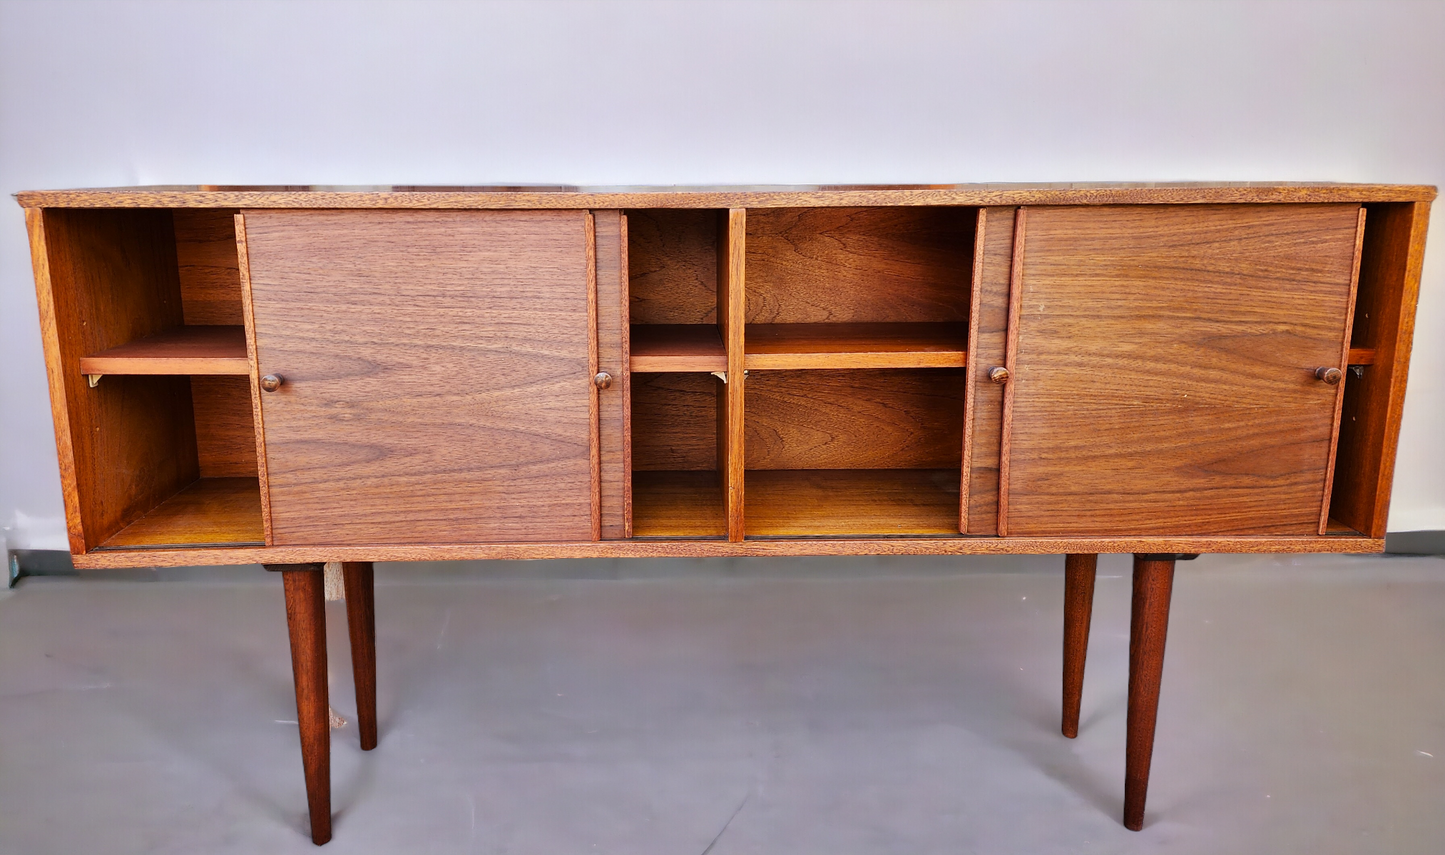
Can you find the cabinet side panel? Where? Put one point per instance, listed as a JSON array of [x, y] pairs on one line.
[[988, 340], [55, 374], [1389, 285], [612, 358], [112, 278], [732, 304]]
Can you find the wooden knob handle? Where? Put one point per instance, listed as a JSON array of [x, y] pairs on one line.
[[272, 382], [1329, 375], [603, 380], [999, 375]]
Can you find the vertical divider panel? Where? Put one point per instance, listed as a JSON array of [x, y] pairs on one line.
[[248, 318], [732, 311], [1344, 367], [615, 403], [987, 344]]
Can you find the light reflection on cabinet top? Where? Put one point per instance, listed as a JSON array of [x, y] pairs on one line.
[[749, 196]]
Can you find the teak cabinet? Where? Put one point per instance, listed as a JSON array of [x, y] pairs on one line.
[[293, 376]]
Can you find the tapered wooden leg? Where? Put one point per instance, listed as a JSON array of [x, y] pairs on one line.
[[1153, 581], [1079, 571], [306, 619], [361, 620]]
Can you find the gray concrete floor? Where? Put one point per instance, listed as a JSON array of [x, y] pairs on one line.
[[778, 706]]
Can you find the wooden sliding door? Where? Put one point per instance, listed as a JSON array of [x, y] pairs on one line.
[[435, 375], [1163, 364]]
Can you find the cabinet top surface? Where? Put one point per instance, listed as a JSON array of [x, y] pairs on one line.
[[758, 196]]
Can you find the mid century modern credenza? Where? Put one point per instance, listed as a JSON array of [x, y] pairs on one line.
[[291, 376]]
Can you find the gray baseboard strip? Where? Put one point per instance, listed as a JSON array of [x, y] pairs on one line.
[[1415, 542]]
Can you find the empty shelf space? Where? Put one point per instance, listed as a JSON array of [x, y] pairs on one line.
[[1362, 356], [1336, 528], [677, 504], [677, 347], [880, 345], [851, 502], [180, 350], [210, 512]]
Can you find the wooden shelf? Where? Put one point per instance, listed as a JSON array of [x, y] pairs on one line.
[[180, 350], [1362, 356], [851, 502], [677, 347], [210, 512], [920, 345], [677, 504]]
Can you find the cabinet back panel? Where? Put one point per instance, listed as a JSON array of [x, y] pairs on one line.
[[437, 382], [859, 265], [865, 419], [1164, 375], [672, 266], [210, 276], [112, 279], [225, 429], [674, 422]]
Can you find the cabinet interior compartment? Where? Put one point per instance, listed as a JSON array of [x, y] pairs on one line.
[[853, 452], [156, 377], [677, 486], [672, 263], [1360, 486], [858, 287]]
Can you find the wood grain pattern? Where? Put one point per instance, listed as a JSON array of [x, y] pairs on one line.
[[258, 418], [852, 502], [1010, 364], [882, 419], [111, 279], [1362, 356], [1148, 628], [922, 545], [672, 267], [612, 353], [225, 429], [208, 268], [1343, 368], [677, 347], [178, 350], [987, 346], [209, 512], [732, 306], [447, 395], [674, 423], [799, 346], [306, 624], [1164, 374], [1389, 286], [359, 579], [563, 197], [678, 504], [859, 265], [1079, 573], [594, 442]]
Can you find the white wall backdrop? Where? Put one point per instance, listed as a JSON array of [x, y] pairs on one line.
[[118, 93]]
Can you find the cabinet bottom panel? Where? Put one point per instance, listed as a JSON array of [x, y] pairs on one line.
[[851, 502], [210, 512]]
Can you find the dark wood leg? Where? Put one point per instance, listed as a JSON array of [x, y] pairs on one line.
[[306, 619], [361, 620], [1079, 571], [1153, 581]]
